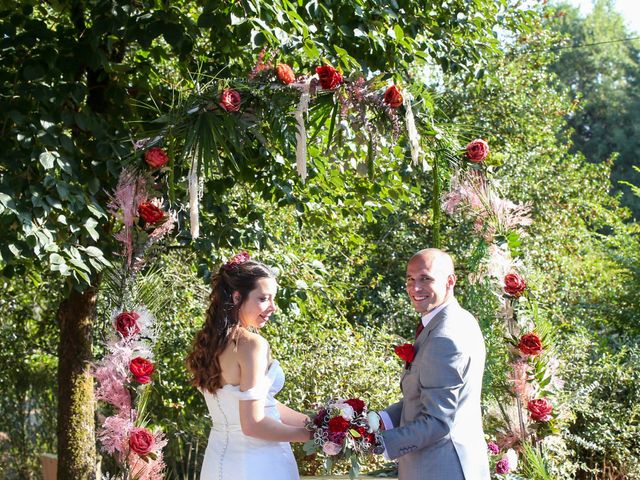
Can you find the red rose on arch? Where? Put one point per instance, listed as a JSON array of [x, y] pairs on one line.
[[356, 404], [127, 323], [514, 284], [141, 368], [285, 73], [406, 352], [156, 157], [540, 409], [338, 425], [150, 213], [230, 100], [329, 77], [393, 97], [530, 344], [477, 150], [141, 441]]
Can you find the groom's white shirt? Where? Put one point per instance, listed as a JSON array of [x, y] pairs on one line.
[[426, 318]]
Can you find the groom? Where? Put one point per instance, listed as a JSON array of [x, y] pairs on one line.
[[435, 430]]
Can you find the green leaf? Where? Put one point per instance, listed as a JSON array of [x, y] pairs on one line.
[[93, 251], [47, 159]]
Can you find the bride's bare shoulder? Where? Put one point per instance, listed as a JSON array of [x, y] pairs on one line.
[[251, 344]]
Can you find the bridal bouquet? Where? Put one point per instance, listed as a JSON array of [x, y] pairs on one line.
[[344, 429]]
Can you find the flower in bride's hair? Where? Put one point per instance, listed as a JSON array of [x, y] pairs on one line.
[[237, 259]]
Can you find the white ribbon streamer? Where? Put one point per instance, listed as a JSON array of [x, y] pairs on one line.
[[194, 196], [412, 132], [301, 134]]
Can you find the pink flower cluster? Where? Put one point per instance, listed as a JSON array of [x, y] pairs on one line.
[[127, 364], [131, 201]]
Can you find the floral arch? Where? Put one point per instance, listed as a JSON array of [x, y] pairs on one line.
[[281, 113]]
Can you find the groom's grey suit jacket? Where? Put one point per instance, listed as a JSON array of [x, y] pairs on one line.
[[438, 434]]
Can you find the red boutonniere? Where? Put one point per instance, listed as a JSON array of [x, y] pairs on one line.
[[406, 352]]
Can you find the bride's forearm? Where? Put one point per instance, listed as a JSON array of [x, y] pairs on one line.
[[267, 428], [291, 417]]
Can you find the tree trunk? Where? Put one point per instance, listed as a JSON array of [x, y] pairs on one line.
[[76, 424]]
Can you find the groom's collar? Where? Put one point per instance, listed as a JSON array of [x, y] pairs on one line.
[[427, 317]]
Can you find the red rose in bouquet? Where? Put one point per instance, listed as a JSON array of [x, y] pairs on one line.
[[150, 213], [356, 404], [329, 77], [127, 323], [285, 73], [406, 352], [141, 368], [530, 344], [338, 425], [540, 409], [230, 100], [141, 441], [156, 157], [477, 150], [393, 97], [514, 284]]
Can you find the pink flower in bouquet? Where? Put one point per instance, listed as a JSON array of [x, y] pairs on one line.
[[540, 409], [285, 73], [338, 424], [393, 97], [514, 284], [502, 466], [477, 150], [329, 77], [141, 441], [230, 100], [493, 448], [406, 352], [356, 404], [150, 212], [336, 437], [127, 324], [156, 157], [530, 344], [141, 368], [331, 448]]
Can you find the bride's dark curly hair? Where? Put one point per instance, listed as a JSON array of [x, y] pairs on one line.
[[222, 320]]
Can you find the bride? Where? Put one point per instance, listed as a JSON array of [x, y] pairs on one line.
[[232, 367]]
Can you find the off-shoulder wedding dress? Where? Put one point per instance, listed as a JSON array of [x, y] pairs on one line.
[[232, 455]]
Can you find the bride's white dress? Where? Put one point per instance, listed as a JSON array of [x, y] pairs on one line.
[[230, 454]]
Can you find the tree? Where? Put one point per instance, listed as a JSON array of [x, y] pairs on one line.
[[76, 76], [598, 64]]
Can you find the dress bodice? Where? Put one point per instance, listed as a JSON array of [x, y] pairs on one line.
[[232, 455], [224, 406]]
